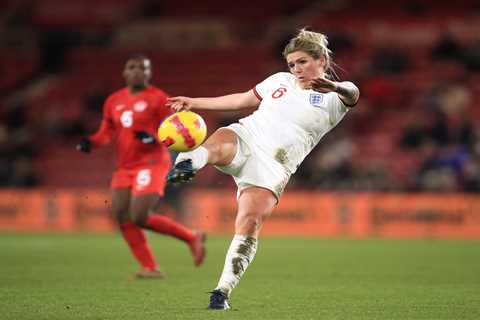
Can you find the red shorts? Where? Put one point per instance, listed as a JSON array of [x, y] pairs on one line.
[[142, 179]]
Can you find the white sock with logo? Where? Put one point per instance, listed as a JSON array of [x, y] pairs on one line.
[[198, 156], [239, 255]]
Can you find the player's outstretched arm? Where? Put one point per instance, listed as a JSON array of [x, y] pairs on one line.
[[229, 102], [346, 90]]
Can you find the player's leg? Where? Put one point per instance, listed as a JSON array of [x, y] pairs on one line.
[[255, 204], [145, 212], [219, 149], [132, 234]]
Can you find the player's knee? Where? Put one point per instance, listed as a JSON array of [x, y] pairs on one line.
[[249, 222], [214, 151]]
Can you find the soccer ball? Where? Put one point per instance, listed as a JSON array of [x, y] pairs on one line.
[[182, 131]]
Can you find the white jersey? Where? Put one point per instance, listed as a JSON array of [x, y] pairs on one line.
[[290, 121]]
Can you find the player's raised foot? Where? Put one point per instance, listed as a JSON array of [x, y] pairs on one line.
[[181, 172], [218, 300], [197, 247], [150, 274]]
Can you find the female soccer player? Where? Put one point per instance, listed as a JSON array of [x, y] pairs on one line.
[[131, 116], [261, 152]]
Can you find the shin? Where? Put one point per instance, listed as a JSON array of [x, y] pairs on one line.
[[255, 204]]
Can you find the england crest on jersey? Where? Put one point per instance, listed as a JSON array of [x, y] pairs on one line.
[[316, 99]]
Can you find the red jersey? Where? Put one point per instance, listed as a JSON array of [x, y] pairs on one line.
[[123, 114]]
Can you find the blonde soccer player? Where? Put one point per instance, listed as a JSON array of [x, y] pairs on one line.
[[295, 110]]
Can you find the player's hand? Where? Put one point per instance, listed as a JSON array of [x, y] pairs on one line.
[[144, 137], [323, 85], [84, 145], [180, 103]]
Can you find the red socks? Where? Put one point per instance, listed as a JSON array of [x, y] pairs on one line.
[[165, 225], [137, 242]]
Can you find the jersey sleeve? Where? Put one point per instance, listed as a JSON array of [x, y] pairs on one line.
[[106, 131], [336, 108], [266, 87]]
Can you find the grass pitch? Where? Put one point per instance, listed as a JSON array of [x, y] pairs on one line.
[[83, 276]]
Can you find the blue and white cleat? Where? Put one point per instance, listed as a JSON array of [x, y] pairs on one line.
[[218, 300], [181, 172]]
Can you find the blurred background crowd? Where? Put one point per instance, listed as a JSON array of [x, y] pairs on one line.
[[417, 63]]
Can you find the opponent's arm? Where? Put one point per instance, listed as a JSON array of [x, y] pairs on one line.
[[103, 136], [229, 102]]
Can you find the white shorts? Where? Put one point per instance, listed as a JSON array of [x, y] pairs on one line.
[[252, 167]]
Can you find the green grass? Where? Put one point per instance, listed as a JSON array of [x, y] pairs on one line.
[[85, 276]]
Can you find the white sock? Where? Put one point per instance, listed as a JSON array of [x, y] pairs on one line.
[[239, 255], [198, 156]]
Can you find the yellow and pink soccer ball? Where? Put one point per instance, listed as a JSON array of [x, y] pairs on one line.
[[182, 131]]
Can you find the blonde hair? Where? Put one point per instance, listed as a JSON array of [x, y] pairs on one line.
[[314, 44]]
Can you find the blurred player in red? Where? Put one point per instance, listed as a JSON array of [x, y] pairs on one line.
[[131, 117]]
